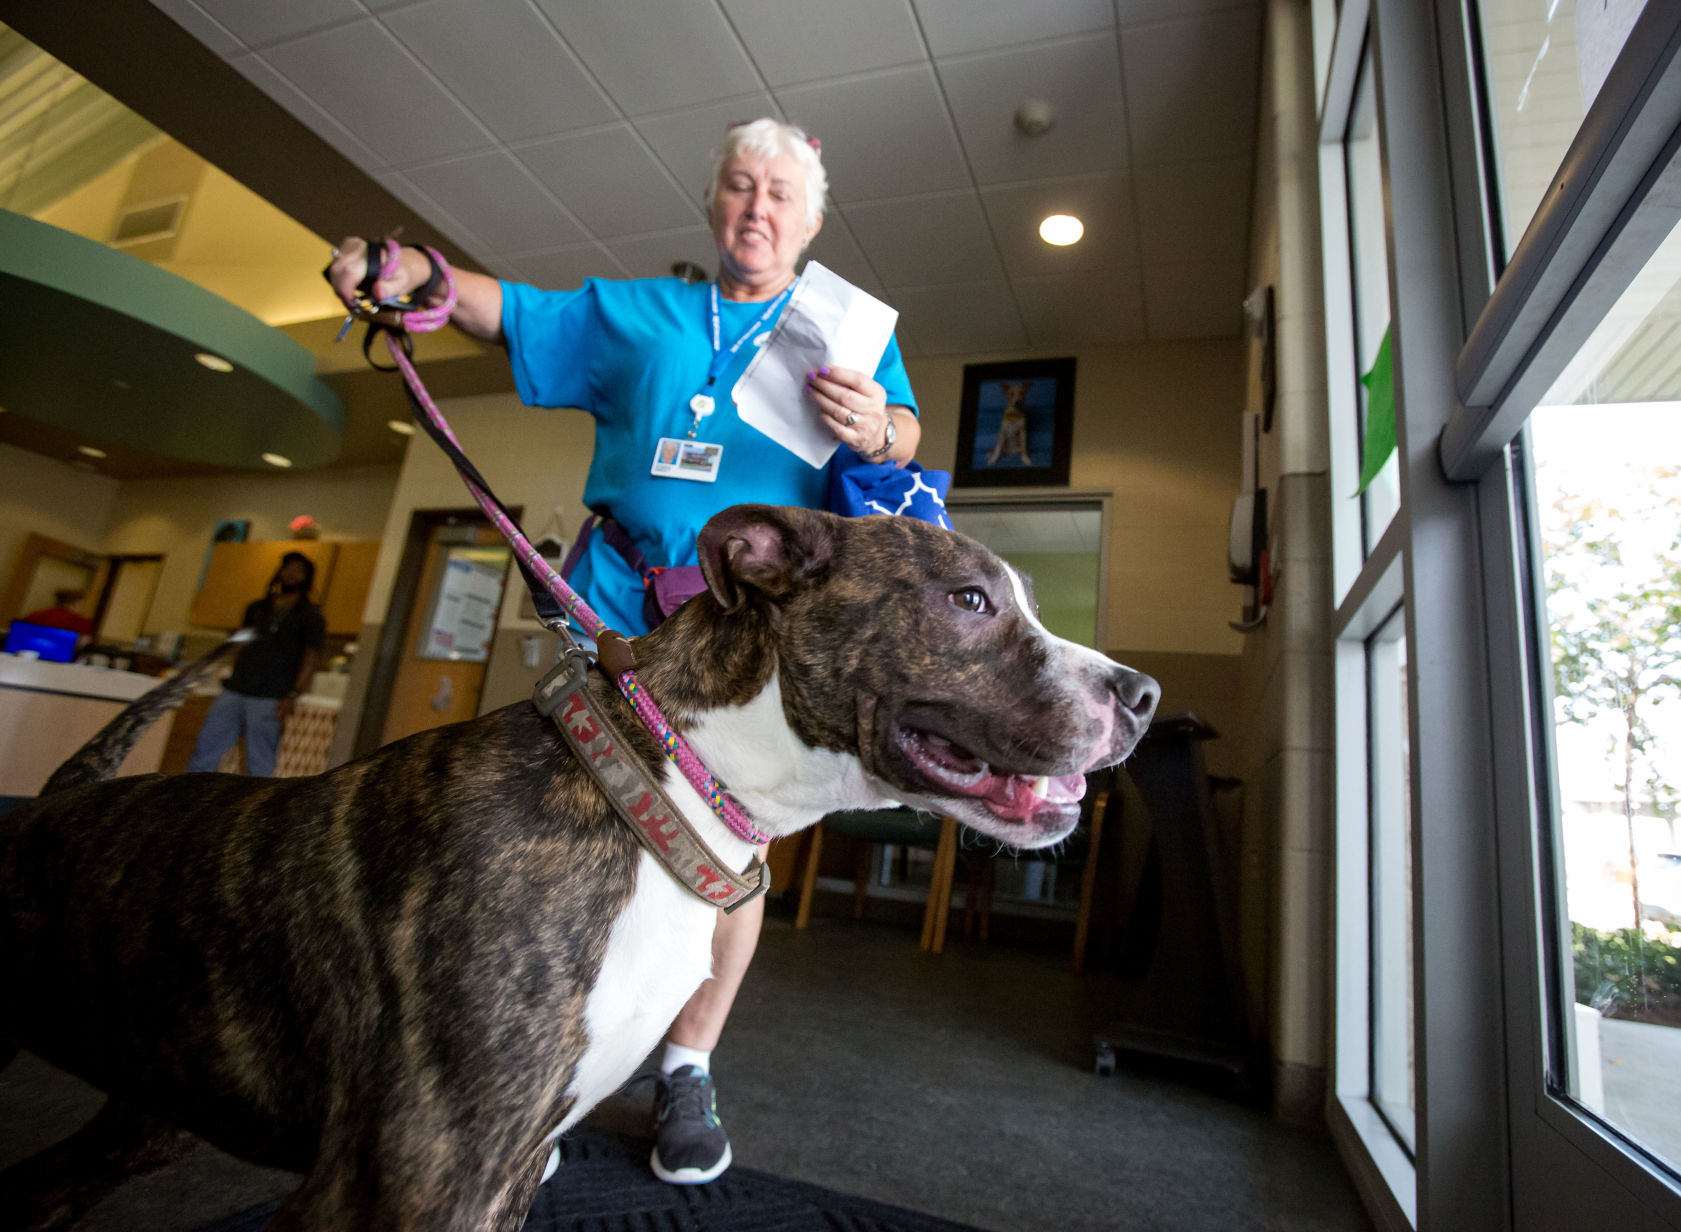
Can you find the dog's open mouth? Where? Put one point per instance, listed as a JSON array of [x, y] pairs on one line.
[[1006, 795]]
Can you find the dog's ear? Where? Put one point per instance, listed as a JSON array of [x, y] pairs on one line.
[[773, 549]]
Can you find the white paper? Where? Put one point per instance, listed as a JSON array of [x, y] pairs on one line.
[[828, 322]]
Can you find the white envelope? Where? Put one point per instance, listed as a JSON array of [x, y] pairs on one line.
[[828, 322]]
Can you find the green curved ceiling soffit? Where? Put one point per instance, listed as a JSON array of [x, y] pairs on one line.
[[98, 342]]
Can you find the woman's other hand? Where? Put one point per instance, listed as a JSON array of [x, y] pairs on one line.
[[853, 405], [350, 265]]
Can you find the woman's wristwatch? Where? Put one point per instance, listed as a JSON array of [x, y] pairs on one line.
[[886, 445]]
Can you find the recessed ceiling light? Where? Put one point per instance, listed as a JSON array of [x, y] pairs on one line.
[[91, 451], [401, 427], [214, 362], [1061, 230], [274, 459], [120, 383]]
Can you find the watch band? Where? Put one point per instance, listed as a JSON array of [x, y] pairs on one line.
[[886, 445]]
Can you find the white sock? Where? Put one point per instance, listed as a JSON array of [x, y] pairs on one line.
[[677, 1056]]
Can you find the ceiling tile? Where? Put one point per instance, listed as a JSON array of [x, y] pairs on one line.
[[652, 55], [836, 249], [652, 256], [1102, 202], [259, 22], [972, 317], [1200, 207], [1191, 86], [957, 26], [1194, 299], [258, 73], [505, 63], [564, 268], [1080, 79], [684, 140], [806, 40], [919, 241], [402, 188], [510, 212], [886, 134], [1133, 11], [196, 22], [610, 182], [363, 77], [1078, 310]]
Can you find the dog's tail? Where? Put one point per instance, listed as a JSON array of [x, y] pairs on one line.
[[99, 758]]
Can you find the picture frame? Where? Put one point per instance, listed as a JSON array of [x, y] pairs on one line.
[[1016, 424]]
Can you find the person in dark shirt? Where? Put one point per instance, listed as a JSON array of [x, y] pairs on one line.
[[270, 673]]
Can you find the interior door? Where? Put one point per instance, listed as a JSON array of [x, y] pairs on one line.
[[448, 629]]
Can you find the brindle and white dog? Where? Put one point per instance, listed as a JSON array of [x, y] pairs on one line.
[[405, 976]]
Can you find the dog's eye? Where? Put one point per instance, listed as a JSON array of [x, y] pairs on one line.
[[970, 599]]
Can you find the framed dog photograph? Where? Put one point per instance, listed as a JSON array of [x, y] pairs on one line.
[[1016, 425]]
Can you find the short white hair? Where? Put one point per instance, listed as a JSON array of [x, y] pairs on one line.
[[768, 138]]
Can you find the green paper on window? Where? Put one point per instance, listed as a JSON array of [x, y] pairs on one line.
[[1380, 415]]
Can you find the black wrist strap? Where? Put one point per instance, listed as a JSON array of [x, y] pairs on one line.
[[376, 258]]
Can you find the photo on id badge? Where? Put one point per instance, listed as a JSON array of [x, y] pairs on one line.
[[684, 459]]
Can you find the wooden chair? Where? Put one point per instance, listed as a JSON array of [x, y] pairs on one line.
[[901, 827]]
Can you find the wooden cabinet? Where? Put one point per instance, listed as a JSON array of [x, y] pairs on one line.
[[239, 573]]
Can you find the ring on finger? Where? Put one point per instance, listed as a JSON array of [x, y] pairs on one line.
[[851, 419]]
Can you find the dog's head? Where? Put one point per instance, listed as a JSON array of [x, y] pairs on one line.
[[922, 653]]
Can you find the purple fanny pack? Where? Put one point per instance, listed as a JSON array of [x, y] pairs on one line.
[[665, 588]]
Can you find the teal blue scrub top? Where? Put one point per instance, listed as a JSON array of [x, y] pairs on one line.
[[633, 354]]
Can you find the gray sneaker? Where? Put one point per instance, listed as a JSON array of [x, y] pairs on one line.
[[690, 1145]]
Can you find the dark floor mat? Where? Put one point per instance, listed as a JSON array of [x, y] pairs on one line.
[[604, 1186]]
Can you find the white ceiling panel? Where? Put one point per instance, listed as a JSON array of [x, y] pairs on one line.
[[1079, 78], [564, 268], [652, 256], [260, 22], [363, 77], [271, 83], [1079, 310], [505, 63], [1131, 12], [884, 135], [206, 29], [611, 183], [926, 240], [1200, 207], [1193, 299], [406, 191], [957, 26], [1191, 86], [654, 56], [510, 210], [684, 140], [954, 320], [807, 40], [836, 248], [1102, 202]]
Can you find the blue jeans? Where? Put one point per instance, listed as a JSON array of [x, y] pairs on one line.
[[231, 715]]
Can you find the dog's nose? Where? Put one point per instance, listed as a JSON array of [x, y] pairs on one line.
[[1137, 693]]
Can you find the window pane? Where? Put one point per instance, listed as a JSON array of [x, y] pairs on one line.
[[1607, 465], [1369, 260], [1545, 61], [1391, 873]]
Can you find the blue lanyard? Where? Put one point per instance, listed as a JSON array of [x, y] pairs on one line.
[[721, 358]]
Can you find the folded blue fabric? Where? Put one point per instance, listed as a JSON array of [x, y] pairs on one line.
[[857, 488]]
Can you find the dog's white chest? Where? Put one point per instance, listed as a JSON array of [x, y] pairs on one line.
[[659, 952]]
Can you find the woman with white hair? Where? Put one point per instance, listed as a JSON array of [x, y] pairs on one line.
[[654, 361]]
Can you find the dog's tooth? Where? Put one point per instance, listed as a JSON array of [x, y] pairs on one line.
[[1042, 787]]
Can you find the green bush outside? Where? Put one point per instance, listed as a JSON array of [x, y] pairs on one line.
[[1628, 975]]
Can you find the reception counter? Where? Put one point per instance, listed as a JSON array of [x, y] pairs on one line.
[[49, 710]]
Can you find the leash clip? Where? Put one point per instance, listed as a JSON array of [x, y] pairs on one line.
[[562, 680]]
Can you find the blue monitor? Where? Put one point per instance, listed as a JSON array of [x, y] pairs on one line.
[[54, 645]]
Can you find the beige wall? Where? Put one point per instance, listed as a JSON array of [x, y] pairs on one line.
[[42, 496], [1286, 850], [176, 517], [1156, 424]]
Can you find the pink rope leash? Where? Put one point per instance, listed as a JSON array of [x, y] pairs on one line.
[[427, 319]]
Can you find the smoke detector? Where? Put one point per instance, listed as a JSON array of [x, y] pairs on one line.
[[1035, 118]]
